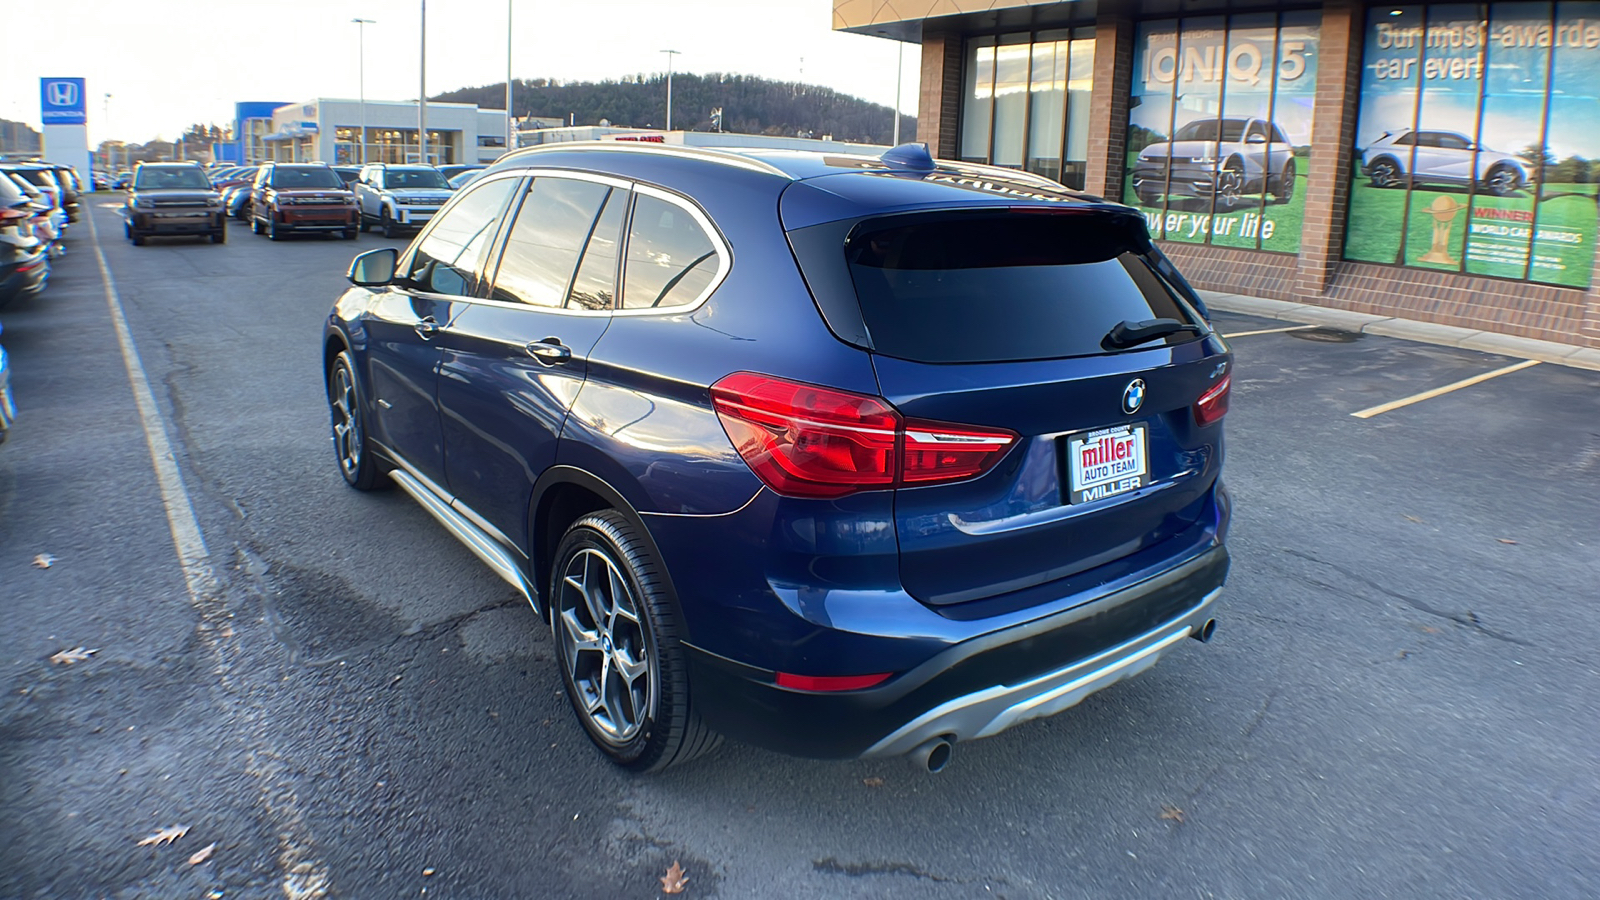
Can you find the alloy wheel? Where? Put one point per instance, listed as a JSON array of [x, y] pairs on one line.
[[1384, 174], [1230, 186], [1503, 181], [604, 648], [346, 422]]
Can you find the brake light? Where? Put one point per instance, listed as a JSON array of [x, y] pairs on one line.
[[807, 441], [830, 682], [1213, 404]]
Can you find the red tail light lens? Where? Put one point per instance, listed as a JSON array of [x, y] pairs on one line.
[[1213, 404], [935, 451], [807, 441]]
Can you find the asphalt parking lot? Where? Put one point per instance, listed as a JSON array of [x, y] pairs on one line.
[[1400, 701]]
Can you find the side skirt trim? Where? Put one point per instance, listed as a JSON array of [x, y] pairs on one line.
[[477, 540]]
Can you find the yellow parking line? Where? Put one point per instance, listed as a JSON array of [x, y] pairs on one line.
[[1427, 395], [1268, 331]]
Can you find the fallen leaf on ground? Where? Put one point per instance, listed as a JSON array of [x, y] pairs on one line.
[[872, 781], [1430, 629], [1172, 812], [1505, 540], [203, 854], [164, 836], [674, 880], [43, 561], [427, 872], [76, 654], [1412, 519]]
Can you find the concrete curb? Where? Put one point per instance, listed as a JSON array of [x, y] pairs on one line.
[[1406, 329]]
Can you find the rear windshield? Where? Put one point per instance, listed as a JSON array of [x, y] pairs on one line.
[[186, 177], [1004, 288], [307, 178]]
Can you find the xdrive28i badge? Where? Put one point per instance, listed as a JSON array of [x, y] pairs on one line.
[[1133, 396]]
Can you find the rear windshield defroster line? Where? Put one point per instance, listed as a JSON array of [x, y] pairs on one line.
[[1005, 287]]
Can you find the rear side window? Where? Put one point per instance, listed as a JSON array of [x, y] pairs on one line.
[[671, 260], [1002, 288]]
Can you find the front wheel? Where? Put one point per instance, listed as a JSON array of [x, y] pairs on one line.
[[390, 229], [350, 446], [138, 238], [1230, 185], [219, 237], [1503, 181], [621, 661], [1384, 174], [272, 228]]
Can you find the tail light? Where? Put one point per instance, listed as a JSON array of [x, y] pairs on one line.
[[807, 441], [1213, 404]]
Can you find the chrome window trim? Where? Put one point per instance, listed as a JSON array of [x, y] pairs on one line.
[[724, 252]]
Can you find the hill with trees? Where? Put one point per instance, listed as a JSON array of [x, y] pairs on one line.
[[749, 105]]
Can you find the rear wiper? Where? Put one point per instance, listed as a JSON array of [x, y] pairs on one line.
[[1129, 333]]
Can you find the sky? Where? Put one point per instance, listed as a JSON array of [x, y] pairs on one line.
[[170, 63]]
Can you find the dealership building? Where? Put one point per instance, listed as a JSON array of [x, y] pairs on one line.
[[1437, 162], [330, 130]]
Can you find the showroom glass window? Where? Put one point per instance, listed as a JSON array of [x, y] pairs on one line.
[[1219, 128], [1477, 142], [1026, 102]]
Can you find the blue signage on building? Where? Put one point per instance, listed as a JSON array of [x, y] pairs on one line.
[[62, 101]]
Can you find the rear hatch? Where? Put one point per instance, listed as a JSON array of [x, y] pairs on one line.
[[1002, 320]]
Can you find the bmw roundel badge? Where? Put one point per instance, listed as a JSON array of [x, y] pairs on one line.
[[1133, 396]]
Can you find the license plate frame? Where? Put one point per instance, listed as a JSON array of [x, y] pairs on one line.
[[1117, 462]]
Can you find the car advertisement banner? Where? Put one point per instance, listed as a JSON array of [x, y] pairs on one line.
[[1477, 148], [1219, 131]]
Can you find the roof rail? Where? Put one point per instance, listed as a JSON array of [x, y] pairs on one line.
[[728, 157]]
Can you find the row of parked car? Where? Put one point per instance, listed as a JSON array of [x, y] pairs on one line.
[[282, 198], [38, 201]]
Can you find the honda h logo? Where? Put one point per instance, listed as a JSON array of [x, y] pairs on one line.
[[62, 93]]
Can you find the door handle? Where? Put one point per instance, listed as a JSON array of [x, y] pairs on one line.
[[426, 328], [549, 351]]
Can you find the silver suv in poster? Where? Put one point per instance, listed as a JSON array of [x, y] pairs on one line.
[[1440, 157], [1221, 158]]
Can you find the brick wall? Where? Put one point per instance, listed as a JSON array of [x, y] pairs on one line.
[[1234, 271], [1108, 118], [1333, 127], [939, 98]]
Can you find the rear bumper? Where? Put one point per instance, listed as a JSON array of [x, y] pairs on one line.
[[975, 688]]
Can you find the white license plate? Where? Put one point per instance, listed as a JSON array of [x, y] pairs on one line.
[[181, 215], [1106, 462]]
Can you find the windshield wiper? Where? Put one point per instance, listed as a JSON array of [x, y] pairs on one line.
[[1129, 333]]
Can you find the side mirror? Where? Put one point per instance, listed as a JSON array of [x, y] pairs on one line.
[[374, 268], [1256, 139]]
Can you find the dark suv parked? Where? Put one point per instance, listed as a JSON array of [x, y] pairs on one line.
[[170, 199], [841, 456], [302, 197]]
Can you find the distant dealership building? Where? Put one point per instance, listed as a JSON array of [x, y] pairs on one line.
[[330, 130], [1437, 162]]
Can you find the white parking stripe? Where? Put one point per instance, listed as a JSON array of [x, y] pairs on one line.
[[304, 876], [193, 557], [1268, 331], [1427, 395]]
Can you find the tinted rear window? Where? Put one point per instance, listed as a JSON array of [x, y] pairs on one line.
[[1002, 288]]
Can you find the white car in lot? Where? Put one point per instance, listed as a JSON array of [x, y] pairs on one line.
[[399, 198], [1440, 157]]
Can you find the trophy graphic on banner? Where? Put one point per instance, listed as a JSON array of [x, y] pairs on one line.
[[1444, 210]]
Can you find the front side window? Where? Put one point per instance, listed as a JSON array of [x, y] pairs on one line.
[[447, 257], [549, 234], [671, 260]]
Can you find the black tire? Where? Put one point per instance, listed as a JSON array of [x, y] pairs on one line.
[[127, 229], [138, 238], [390, 228], [255, 224], [1502, 181], [1385, 173], [272, 228], [351, 448], [348, 234], [662, 730], [1285, 191], [365, 226], [219, 236]]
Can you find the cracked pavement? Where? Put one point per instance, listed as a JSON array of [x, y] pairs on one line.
[[1396, 704]]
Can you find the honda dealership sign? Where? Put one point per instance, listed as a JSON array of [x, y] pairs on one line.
[[62, 101]]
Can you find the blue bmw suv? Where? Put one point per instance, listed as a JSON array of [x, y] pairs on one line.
[[841, 456]]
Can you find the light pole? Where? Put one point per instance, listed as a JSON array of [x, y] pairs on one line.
[[106, 114], [361, 77], [422, 92], [509, 127], [670, 54], [899, 73]]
